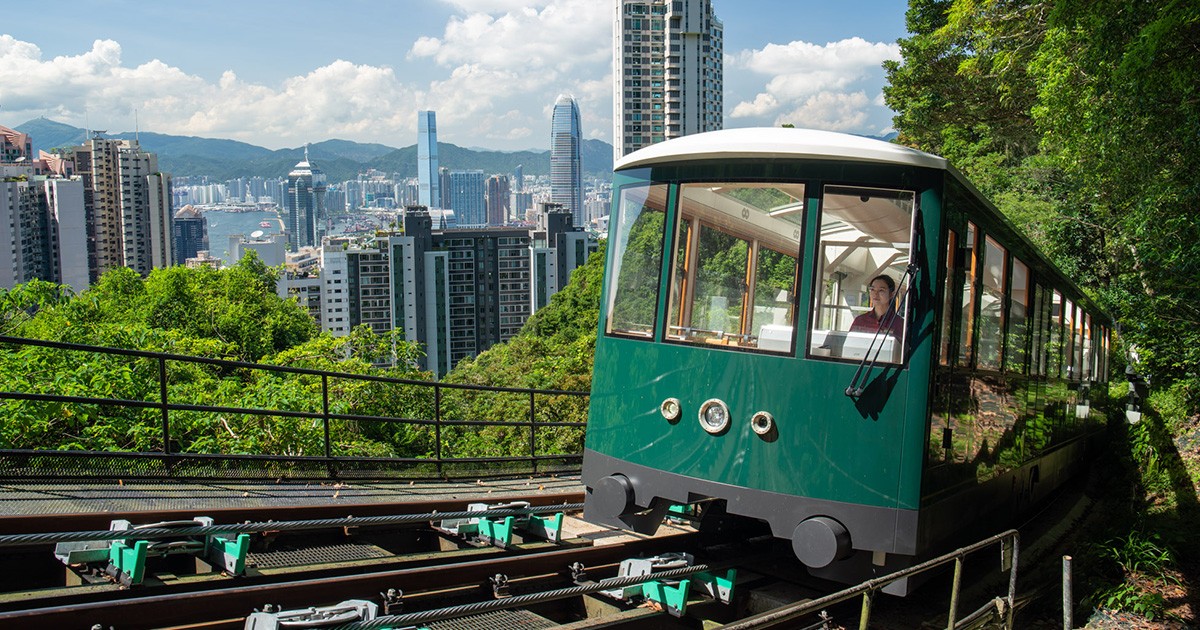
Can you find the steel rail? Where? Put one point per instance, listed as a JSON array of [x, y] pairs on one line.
[[47, 523], [454, 612], [790, 612], [156, 533], [130, 612]]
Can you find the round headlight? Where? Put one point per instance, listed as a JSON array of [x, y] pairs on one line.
[[762, 422], [714, 416], [670, 409]]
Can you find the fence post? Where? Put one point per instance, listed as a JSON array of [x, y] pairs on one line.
[[532, 434], [437, 426], [325, 419], [958, 566], [165, 411], [1067, 606]]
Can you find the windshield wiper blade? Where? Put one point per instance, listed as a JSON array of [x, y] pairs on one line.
[[858, 384]]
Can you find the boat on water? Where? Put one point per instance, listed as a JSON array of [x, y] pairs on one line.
[[264, 224]]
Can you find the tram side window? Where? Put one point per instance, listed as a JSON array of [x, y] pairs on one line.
[[1018, 328], [1070, 317], [1041, 314], [865, 233], [966, 335], [1085, 363], [1055, 346], [734, 268], [948, 298], [991, 308], [637, 242]]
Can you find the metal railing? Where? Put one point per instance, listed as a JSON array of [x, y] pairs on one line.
[[1009, 542], [173, 460]]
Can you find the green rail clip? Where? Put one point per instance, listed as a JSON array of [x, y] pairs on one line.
[[498, 533], [672, 598], [229, 554], [547, 528], [716, 587], [129, 562]]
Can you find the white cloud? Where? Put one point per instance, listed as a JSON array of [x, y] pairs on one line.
[[830, 111], [489, 74], [508, 54], [810, 85]]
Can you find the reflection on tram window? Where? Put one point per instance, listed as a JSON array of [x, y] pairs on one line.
[[734, 265], [637, 244], [866, 234]]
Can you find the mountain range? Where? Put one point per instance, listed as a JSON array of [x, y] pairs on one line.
[[339, 159]]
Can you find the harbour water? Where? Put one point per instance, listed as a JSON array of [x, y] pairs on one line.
[[223, 224]]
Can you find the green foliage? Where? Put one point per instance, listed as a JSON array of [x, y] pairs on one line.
[[553, 351], [230, 314], [1143, 561]]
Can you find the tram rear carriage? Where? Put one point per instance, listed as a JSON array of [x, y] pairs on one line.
[[728, 367]]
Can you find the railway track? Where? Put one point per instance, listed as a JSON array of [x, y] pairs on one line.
[[420, 570]]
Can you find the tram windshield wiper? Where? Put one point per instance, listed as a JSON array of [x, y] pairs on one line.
[[858, 384]]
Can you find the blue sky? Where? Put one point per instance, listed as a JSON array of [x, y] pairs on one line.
[[279, 74]]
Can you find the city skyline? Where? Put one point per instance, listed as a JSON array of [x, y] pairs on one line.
[[491, 68]]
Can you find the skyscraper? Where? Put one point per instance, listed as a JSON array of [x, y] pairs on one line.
[[466, 196], [566, 169], [430, 194], [667, 71], [305, 202], [498, 199], [191, 234], [128, 203]]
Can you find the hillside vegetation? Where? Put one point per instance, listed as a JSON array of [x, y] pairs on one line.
[[1081, 120]]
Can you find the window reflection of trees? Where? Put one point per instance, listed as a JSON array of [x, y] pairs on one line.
[[990, 422], [637, 260]]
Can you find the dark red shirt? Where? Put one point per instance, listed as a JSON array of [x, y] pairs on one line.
[[869, 323]]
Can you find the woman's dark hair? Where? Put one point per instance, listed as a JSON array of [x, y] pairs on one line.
[[888, 279]]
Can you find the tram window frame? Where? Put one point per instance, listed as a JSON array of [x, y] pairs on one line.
[[948, 298], [967, 305], [829, 336], [737, 210], [1087, 354], [1040, 330], [1017, 335], [992, 317], [1056, 335], [1070, 317], [644, 273]]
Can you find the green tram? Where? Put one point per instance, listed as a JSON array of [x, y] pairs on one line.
[[733, 369]]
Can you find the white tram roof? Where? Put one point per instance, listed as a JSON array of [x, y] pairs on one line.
[[778, 142]]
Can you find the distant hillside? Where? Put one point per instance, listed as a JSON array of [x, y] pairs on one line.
[[340, 159]]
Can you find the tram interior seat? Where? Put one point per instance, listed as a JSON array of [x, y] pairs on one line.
[[775, 337], [852, 345]]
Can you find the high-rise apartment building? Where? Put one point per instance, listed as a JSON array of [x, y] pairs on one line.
[[498, 200], [430, 194], [566, 166], [304, 207], [43, 228], [466, 196], [190, 233], [14, 145], [128, 204], [557, 249], [667, 71], [457, 292]]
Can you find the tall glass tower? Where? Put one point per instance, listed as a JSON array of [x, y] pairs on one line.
[[566, 168], [430, 193], [305, 203]]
